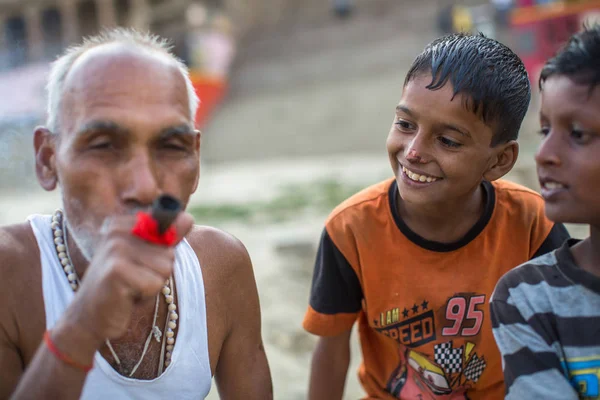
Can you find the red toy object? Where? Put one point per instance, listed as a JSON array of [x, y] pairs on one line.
[[146, 228]]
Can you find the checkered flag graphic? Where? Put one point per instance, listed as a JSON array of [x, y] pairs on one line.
[[475, 368], [439, 352], [447, 357]]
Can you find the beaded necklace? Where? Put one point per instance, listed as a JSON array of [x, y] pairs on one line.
[[59, 229]]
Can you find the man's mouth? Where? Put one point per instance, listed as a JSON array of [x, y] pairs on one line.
[[422, 178]]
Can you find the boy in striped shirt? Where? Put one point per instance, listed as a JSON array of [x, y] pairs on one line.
[[546, 313]]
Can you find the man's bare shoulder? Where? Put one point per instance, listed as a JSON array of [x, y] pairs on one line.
[[18, 248], [222, 247], [20, 288], [218, 250]]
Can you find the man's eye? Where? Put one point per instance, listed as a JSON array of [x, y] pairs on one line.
[[173, 146], [100, 145]]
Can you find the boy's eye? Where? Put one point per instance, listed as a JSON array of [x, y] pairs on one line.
[[580, 136], [404, 125], [544, 131], [449, 143]]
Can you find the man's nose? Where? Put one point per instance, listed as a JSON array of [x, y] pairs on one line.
[[142, 180]]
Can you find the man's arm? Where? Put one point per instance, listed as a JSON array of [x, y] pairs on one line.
[[532, 368], [329, 368], [11, 362], [48, 377], [11, 366], [44, 370], [242, 371]]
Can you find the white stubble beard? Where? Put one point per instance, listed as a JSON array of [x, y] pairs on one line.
[[81, 235]]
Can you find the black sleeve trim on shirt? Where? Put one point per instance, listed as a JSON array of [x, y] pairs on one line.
[[335, 286], [526, 362], [556, 237]]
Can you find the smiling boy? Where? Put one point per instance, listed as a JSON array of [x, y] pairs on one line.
[[546, 313], [415, 259]]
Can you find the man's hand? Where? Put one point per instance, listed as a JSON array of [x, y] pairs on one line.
[[124, 270]]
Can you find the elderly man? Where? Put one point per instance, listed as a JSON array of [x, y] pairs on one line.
[[90, 310]]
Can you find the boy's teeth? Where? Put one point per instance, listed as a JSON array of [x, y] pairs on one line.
[[553, 185], [418, 178]]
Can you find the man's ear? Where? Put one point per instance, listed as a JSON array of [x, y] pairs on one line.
[[503, 160], [198, 139], [44, 143]]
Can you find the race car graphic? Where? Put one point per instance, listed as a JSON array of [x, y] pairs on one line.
[[417, 377]]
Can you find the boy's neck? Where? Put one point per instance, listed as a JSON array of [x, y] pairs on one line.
[[587, 252], [444, 223]]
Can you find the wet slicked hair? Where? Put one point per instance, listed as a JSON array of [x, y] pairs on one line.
[[490, 76], [579, 59]]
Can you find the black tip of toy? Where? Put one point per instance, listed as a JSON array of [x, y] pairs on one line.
[[164, 211]]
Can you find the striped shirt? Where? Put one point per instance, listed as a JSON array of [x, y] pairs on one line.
[[546, 322]]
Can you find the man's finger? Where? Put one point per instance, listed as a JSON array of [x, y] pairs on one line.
[[142, 281], [183, 225]]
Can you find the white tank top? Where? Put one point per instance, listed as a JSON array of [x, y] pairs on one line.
[[187, 377]]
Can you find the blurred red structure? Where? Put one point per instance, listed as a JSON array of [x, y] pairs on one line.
[[538, 31], [211, 91]]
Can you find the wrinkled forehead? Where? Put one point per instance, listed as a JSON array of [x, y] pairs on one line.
[[121, 77]]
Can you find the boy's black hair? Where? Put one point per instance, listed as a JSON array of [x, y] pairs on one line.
[[579, 59], [492, 78]]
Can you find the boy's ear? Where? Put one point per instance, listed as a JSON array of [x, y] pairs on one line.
[[503, 160], [44, 143]]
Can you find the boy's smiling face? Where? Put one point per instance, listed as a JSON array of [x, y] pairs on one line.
[[440, 150], [568, 160]]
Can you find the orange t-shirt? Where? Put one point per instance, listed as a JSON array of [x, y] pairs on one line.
[[423, 307]]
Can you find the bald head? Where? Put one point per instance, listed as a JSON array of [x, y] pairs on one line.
[[115, 59], [124, 77]]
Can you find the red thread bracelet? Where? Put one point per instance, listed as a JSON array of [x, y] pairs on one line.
[[146, 228], [63, 357]]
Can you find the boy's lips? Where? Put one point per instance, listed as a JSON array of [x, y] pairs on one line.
[[550, 187], [418, 176]]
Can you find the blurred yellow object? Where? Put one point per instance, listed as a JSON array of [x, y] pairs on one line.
[[461, 19]]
